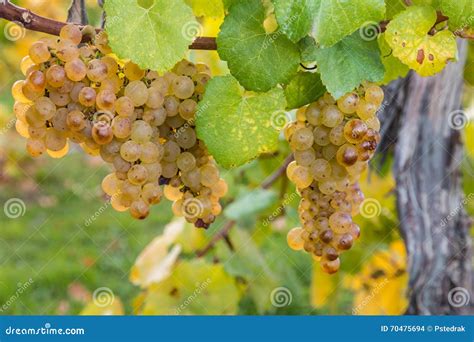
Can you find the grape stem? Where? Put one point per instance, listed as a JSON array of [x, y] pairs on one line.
[[223, 234], [35, 22]]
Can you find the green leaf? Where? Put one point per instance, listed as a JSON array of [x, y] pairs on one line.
[[304, 88], [250, 204], [195, 288], [258, 60], [155, 38], [460, 13], [208, 8], [335, 19], [345, 65], [394, 68], [295, 17], [393, 7], [407, 35], [237, 126]]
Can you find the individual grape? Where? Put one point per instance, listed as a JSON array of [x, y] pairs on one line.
[[60, 100], [45, 108], [25, 64], [305, 157], [75, 70], [185, 68], [302, 139], [102, 133], [67, 51], [139, 209], [302, 177], [347, 155], [313, 114], [366, 110], [36, 81], [87, 96], [331, 116], [320, 169], [187, 109], [55, 76], [155, 98], [374, 94], [76, 120], [186, 137], [171, 104], [321, 135], [39, 52], [186, 161], [108, 152], [355, 130], [220, 188], [336, 135], [17, 92], [105, 100], [71, 32], [171, 151], [209, 175], [58, 154], [294, 239], [130, 151], [35, 147], [141, 132], [137, 92], [154, 171], [22, 128], [137, 174], [55, 140], [348, 103], [111, 184], [97, 70], [331, 266], [172, 193], [151, 193], [133, 71]]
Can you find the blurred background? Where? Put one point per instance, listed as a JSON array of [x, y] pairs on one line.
[[66, 251]]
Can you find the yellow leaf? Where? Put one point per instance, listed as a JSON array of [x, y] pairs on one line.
[[407, 34], [155, 262], [322, 286]]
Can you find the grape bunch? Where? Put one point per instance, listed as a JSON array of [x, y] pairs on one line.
[[140, 122], [332, 142]]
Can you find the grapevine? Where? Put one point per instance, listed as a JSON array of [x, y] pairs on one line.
[[140, 122], [332, 143]]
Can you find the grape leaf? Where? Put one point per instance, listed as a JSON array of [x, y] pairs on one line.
[[460, 13], [195, 288], [258, 60], [154, 38], [393, 7], [335, 19], [407, 35], [243, 121], [394, 68], [208, 8], [304, 88], [250, 203], [295, 17], [345, 65]]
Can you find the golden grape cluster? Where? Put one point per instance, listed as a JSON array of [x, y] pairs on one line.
[[139, 121], [332, 142]]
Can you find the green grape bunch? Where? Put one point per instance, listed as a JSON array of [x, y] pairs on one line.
[[138, 121], [332, 142]]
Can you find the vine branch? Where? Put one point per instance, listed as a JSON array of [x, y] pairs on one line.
[[228, 225], [35, 22]]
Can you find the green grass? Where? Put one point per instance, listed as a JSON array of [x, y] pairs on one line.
[[55, 247]]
